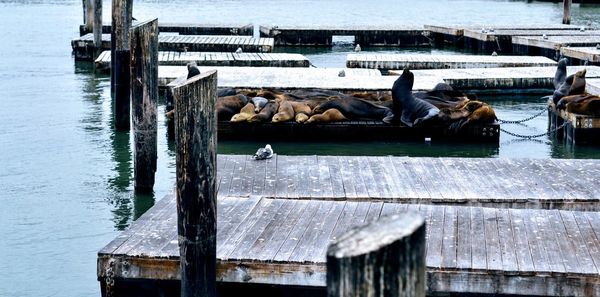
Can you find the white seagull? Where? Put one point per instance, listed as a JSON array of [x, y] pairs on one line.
[[263, 153], [238, 50], [357, 48]]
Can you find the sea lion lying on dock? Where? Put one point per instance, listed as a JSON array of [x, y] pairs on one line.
[[301, 110], [284, 113], [266, 113], [470, 113], [229, 105], [330, 115], [410, 110], [246, 113], [357, 109], [580, 104], [259, 103]]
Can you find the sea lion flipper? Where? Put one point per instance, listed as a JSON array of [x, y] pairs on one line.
[[405, 118]]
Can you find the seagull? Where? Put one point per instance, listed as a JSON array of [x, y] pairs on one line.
[[192, 70], [598, 46], [545, 36], [494, 54], [342, 73], [483, 30], [582, 29], [238, 50], [357, 48], [263, 153]]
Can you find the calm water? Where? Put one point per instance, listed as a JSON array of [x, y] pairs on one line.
[[66, 177]]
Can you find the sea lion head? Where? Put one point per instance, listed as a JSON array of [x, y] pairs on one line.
[[562, 63], [277, 118], [581, 73], [403, 85], [301, 118], [240, 117]]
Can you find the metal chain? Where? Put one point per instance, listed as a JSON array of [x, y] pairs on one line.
[[524, 120], [536, 135], [109, 279]]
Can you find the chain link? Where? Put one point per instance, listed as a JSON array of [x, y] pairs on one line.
[[536, 135], [524, 120]]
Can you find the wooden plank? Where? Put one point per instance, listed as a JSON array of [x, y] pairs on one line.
[[239, 164], [294, 236], [478, 240], [559, 243], [587, 234], [521, 242], [324, 185], [510, 265], [450, 237], [492, 242], [463, 238], [534, 237], [577, 243], [434, 241]]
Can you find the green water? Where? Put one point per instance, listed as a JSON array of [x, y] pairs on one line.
[[66, 177]]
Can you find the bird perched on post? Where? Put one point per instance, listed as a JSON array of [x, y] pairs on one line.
[[192, 70], [494, 54], [357, 48], [238, 50], [263, 153]]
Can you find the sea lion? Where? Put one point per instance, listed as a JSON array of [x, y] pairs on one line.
[[266, 113], [578, 85], [590, 106], [284, 113], [192, 70], [222, 92], [245, 113], [561, 73], [357, 109], [301, 107], [330, 115], [259, 103], [301, 117], [471, 112], [411, 111], [229, 105]]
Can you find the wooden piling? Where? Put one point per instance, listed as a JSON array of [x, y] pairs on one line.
[[120, 56], [97, 27], [384, 258], [196, 138], [567, 11], [144, 99], [89, 15]]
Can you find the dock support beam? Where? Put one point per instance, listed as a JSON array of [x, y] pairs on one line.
[[567, 11], [144, 99], [88, 15], [97, 27], [119, 60], [196, 138], [384, 258]]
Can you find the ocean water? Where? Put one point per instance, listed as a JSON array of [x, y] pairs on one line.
[[66, 185]]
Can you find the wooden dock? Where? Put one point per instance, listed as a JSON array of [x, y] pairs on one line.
[[190, 29], [578, 129], [454, 34], [582, 55], [414, 62], [499, 78], [219, 59], [551, 45], [365, 36], [470, 249], [296, 78], [490, 40], [592, 86], [353, 130], [83, 46]]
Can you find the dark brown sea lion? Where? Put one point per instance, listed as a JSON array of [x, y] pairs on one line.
[[357, 109], [578, 85], [284, 113], [301, 118], [266, 113], [408, 109], [469, 113], [301, 107], [590, 106], [330, 115], [229, 105], [245, 113]]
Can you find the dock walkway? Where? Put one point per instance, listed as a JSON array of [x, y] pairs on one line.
[[500, 78], [415, 62], [189, 29], [583, 54], [551, 45], [219, 59], [470, 249], [83, 46]]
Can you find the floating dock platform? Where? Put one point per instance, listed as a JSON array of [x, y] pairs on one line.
[[365, 36], [282, 241], [499, 78], [83, 48], [582, 55], [219, 59], [488, 41], [353, 130], [296, 78], [387, 62], [189, 29], [551, 45]]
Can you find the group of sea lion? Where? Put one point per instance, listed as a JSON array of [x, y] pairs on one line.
[[441, 105], [569, 92]]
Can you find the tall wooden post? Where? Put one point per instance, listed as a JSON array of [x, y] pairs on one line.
[[196, 138], [567, 11], [384, 258], [97, 27], [144, 99], [89, 15], [119, 61]]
